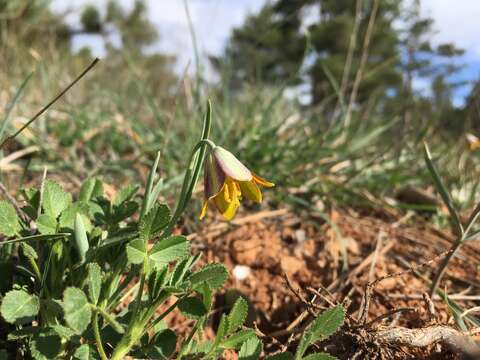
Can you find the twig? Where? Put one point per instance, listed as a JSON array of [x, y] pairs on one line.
[[430, 307], [435, 297], [389, 315], [45, 108], [401, 336], [371, 285]]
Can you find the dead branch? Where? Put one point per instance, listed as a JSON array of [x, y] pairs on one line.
[[401, 336]]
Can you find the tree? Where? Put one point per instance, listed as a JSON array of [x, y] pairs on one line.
[[267, 49]]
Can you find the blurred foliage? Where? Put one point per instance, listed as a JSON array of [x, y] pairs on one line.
[[133, 104]]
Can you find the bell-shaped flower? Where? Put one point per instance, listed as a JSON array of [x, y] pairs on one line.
[[226, 180]]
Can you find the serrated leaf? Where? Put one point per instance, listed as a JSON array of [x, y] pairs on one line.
[[192, 307], [136, 251], [237, 315], [126, 193], [155, 220], [9, 224], [19, 307], [322, 327], [55, 199], [77, 309], [169, 249], [281, 356], [320, 356], [222, 330], [45, 346], [182, 267], [85, 352], [327, 323], [163, 344], [238, 338], [214, 275], [250, 350], [156, 281], [46, 224], [94, 282]]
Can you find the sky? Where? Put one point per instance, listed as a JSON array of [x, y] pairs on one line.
[[455, 21]]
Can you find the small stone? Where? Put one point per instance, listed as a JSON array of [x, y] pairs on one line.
[[241, 272]]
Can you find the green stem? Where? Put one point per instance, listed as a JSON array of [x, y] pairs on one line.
[[98, 338]]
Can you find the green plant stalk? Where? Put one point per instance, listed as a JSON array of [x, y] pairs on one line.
[[98, 339], [137, 329], [195, 163]]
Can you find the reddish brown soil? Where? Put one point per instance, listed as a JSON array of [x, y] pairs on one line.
[[276, 244]]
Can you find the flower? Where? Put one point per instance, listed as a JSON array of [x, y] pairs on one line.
[[226, 180]]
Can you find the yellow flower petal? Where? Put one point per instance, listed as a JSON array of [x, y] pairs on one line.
[[262, 181], [251, 191], [231, 210]]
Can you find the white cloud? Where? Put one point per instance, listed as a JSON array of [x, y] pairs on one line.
[[456, 21], [212, 21]]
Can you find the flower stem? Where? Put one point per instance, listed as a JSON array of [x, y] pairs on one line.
[[98, 339]]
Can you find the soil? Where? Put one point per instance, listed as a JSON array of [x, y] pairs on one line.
[[336, 261]]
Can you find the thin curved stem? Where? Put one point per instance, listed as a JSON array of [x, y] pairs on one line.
[[98, 339]]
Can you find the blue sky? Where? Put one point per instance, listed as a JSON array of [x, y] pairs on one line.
[[455, 21]]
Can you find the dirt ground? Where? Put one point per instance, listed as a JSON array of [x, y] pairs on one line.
[[330, 263]]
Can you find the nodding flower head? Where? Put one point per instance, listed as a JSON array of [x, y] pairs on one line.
[[227, 180]]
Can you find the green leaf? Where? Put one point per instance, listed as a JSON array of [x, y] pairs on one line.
[[281, 356], [156, 281], [214, 275], [94, 282], [77, 309], [250, 350], [327, 323], [136, 251], [237, 315], [90, 189], [442, 189], [170, 249], [29, 251], [125, 194], [192, 307], [46, 224], [320, 356], [85, 352], [182, 267], [163, 345], [322, 327], [238, 338], [55, 200], [45, 346], [9, 225], [67, 218], [155, 220], [19, 307], [222, 330], [63, 331], [80, 238]]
